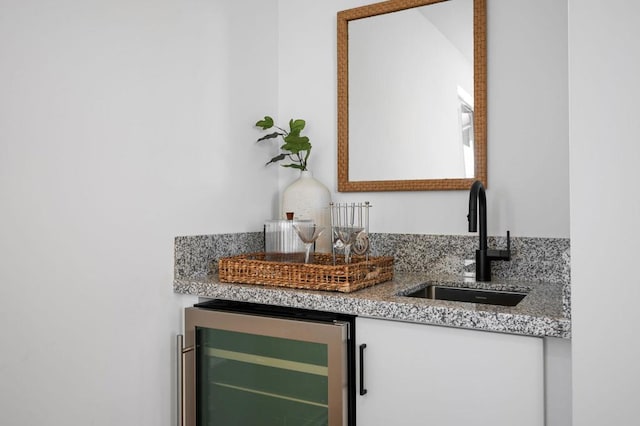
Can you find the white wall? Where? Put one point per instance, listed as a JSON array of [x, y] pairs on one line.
[[605, 207], [527, 115], [123, 123]]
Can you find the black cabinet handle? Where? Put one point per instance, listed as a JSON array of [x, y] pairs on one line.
[[363, 391]]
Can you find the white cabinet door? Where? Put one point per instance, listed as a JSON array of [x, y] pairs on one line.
[[427, 375]]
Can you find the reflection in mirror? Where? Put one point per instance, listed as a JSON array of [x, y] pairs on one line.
[[466, 128], [411, 96]]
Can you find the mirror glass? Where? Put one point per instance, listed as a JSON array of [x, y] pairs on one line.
[[411, 96]]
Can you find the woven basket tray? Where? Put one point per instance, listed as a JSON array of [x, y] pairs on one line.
[[322, 274]]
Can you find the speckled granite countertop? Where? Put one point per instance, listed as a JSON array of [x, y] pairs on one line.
[[539, 313], [540, 266]]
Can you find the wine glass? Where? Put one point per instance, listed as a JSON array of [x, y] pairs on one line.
[[347, 235], [308, 233], [349, 223]]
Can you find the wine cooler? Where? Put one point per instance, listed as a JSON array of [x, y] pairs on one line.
[[248, 364]]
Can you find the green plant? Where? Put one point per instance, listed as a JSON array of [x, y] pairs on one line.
[[296, 147]]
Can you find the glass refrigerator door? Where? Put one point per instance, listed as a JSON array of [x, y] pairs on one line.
[[266, 371]]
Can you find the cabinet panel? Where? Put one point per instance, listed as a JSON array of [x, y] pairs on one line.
[[420, 374]]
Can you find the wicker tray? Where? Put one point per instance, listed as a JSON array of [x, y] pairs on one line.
[[252, 268]]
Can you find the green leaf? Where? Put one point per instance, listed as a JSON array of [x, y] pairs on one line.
[[293, 166], [295, 143], [296, 126], [277, 158], [267, 123], [270, 136]]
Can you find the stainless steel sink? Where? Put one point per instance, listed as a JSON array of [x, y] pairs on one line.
[[471, 295]]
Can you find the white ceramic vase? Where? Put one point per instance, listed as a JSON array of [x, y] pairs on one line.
[[308, 198]]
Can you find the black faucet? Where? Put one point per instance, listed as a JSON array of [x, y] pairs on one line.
[[484, 255]]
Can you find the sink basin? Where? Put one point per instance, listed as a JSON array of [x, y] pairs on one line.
[[472, 295]]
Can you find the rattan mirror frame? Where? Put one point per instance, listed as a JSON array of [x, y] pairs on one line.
[[480, 102]]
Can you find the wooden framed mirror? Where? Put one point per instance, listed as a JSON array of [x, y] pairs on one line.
[[412, 96]]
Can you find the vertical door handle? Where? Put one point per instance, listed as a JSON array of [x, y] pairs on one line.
[[181, 353], [180, 381], [363, 391]]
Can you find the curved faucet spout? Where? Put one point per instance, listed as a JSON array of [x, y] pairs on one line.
[[476, 194]]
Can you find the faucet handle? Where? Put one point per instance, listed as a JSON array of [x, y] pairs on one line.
[[494, 254]]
